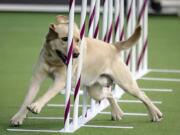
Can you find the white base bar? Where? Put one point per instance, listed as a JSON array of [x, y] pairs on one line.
[[136, 114], [46, 118], [127, 114], [33, 130], [165, 70], [137, 101], [62, 105], [156, 90], [99, 126], [160, 79], [58, 131]]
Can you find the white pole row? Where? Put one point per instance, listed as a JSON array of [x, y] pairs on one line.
[[114, 23]]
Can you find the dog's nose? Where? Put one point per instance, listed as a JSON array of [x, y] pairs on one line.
[[75, 55]]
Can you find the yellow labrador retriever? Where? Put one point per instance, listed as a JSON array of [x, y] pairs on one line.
[[101, 68]]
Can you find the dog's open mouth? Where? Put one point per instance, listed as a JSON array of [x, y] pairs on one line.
[[62, 56]]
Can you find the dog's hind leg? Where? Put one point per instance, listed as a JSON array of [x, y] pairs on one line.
[[59, 84], [98, 93], [36, 80], [123, 78]]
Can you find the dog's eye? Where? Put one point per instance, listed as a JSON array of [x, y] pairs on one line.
[[65, 39]]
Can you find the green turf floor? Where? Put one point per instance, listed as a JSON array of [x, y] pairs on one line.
[[21, 37]]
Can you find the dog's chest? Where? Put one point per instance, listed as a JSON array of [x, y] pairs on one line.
[[52, 71]]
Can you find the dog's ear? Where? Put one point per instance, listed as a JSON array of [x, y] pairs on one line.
[[61, 19], [52, 34]]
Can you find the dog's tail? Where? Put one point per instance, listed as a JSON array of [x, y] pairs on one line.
[[123, 45]]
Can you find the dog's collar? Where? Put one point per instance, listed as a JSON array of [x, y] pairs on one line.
[[62, 56]]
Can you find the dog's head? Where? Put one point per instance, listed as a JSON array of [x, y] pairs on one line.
[[57, 38]]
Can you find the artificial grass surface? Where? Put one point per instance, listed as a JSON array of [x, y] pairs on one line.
[[21, 37]]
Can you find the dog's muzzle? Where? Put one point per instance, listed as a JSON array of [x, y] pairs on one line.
[[62, 56]]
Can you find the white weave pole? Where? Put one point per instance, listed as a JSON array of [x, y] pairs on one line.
[[129, 29], [69, 65], [82, 27], [84, 104], [140, 41], [117, 32], [90, 34], [91, 18], [143, 19], [105, 18], [121, 14], [117, 19], [96, 19], [145, 61], [79, 69], [133, 25], [110, 21]]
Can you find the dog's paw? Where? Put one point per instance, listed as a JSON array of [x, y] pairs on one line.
[[116, 117], [34, 108], [117, 114], [17, 120], [156, 116]]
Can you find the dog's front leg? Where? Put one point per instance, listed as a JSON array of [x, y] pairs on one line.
[[36, 80], [59, 84], [116, 111]]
